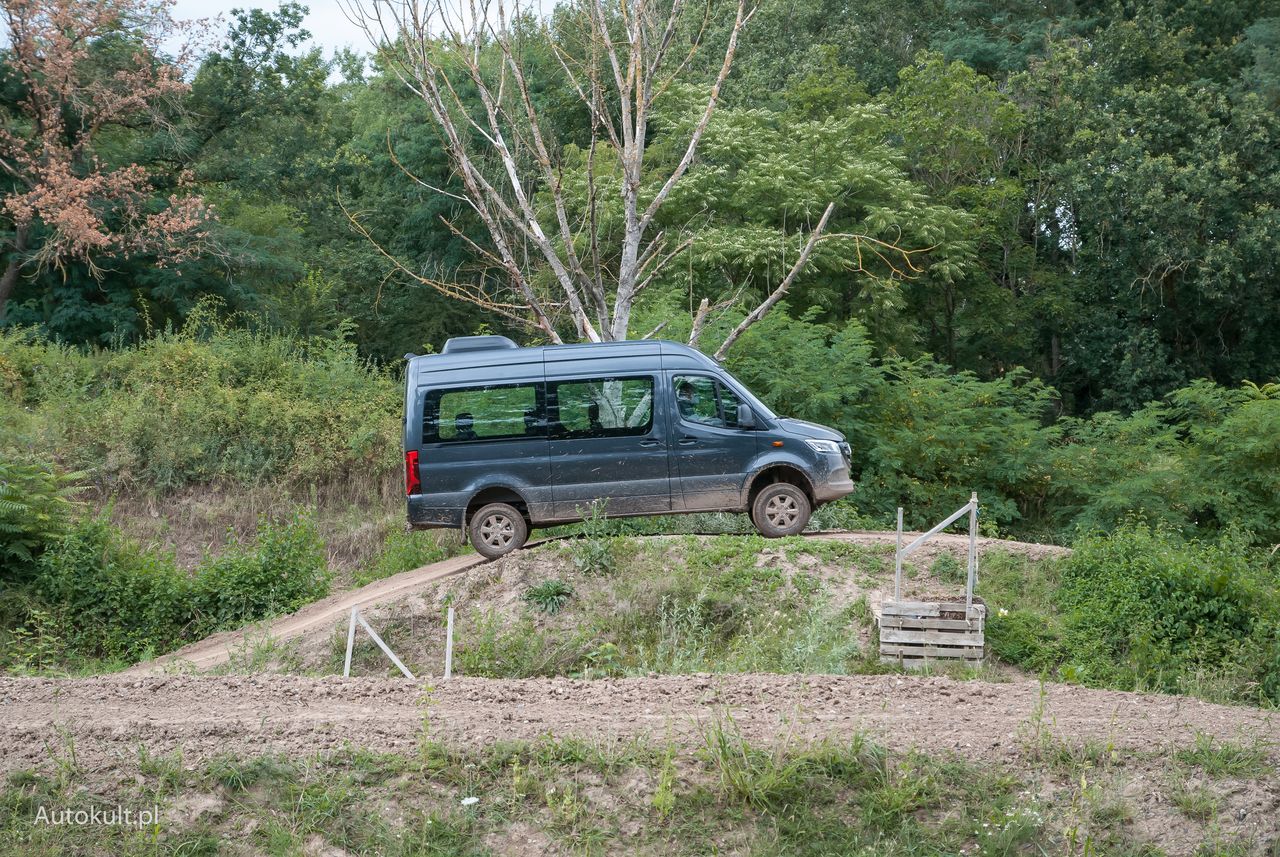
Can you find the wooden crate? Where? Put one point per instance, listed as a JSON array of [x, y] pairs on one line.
[[916, 633]]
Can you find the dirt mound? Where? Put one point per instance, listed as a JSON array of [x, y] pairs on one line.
[[316, 621]]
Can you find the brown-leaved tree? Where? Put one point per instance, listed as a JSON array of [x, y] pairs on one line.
[[88, 70]]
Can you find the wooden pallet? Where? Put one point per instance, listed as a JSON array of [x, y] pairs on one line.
[[916, 633]]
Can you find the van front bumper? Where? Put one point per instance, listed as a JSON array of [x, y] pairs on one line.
[[833, 490], [837, 483]]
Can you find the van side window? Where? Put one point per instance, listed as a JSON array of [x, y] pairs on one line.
[[705, 401], [600, 407], [496, 412]]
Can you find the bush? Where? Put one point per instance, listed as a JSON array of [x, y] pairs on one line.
[[1143, 607], [281, 571], [208, 404], [117, 601], [1024, 638]]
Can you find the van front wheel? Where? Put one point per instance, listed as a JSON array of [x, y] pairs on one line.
[[780, 509], [497, 530]]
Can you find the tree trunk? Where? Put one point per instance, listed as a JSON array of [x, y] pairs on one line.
[[9, 281]]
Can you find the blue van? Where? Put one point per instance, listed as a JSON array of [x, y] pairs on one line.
[[499, 439]]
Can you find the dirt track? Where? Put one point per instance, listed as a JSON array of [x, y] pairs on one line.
[[203, 716], [320, 616]]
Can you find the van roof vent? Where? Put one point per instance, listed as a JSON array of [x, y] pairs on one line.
[[463, 344]]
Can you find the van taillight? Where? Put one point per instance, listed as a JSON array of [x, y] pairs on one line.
[[412, 484]]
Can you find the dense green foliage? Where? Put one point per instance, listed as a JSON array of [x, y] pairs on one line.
[[1096, 188], [35, 511], [1203, 459], [203, 406], [1143, 608], [98, 596]]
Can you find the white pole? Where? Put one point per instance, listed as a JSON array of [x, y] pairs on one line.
[[351, 641], [973, 554], [448, 647], [897, 562]]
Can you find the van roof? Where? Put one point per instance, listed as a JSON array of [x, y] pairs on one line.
[[474, 352]]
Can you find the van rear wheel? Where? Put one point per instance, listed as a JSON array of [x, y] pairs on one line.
[[780, 509], [497, 529]]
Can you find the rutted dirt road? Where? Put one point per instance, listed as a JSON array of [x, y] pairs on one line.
[[321, 616], [203, 716]]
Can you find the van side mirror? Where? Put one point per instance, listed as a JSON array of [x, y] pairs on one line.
[[746, 419]]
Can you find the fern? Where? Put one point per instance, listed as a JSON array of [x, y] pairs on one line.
[[36, 502]]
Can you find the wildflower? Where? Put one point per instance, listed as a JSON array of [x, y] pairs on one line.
[[468, 801]]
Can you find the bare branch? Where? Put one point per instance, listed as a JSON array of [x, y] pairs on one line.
[[777, 294]]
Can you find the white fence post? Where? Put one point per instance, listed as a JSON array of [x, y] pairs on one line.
[[897, 562], [973, 554], [448, 647], [351, 641]]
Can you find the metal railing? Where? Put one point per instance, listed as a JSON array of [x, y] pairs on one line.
[[970, 508]]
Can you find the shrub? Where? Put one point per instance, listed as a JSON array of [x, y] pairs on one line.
[[1145, 607], [35, 511], [1024, 638], [282, 570], [208, 404], [118, 601]]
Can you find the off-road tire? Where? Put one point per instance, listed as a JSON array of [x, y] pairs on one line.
[[497, 529], [780, 509]]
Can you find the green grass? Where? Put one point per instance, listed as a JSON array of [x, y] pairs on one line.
[[1198, 803], [690, 604], [1222, 759], [569, 795], [724, 793]]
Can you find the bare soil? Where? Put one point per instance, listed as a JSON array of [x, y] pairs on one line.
[[108, 717]]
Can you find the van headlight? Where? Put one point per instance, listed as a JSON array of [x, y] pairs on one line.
[[828, 446]]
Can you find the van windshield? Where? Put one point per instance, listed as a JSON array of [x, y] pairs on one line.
[[756, 405]]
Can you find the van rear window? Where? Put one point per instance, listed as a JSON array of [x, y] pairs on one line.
[[600, 407], [495, 412]]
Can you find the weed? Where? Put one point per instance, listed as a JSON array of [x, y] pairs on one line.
[[758, 779], [1226, 758], [1199, 803], [549, 596], [594, 551]]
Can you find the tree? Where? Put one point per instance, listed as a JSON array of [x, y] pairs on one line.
[[589, 258], [88, 71]]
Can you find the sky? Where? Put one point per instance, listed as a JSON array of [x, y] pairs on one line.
[[329, 28]]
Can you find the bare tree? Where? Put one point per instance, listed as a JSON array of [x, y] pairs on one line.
[[619, 57]]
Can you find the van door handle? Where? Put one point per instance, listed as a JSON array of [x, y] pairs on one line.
[[687, 440], [651, 443]]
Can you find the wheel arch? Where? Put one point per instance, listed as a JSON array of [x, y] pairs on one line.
[[496, 494], [779, 472]]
